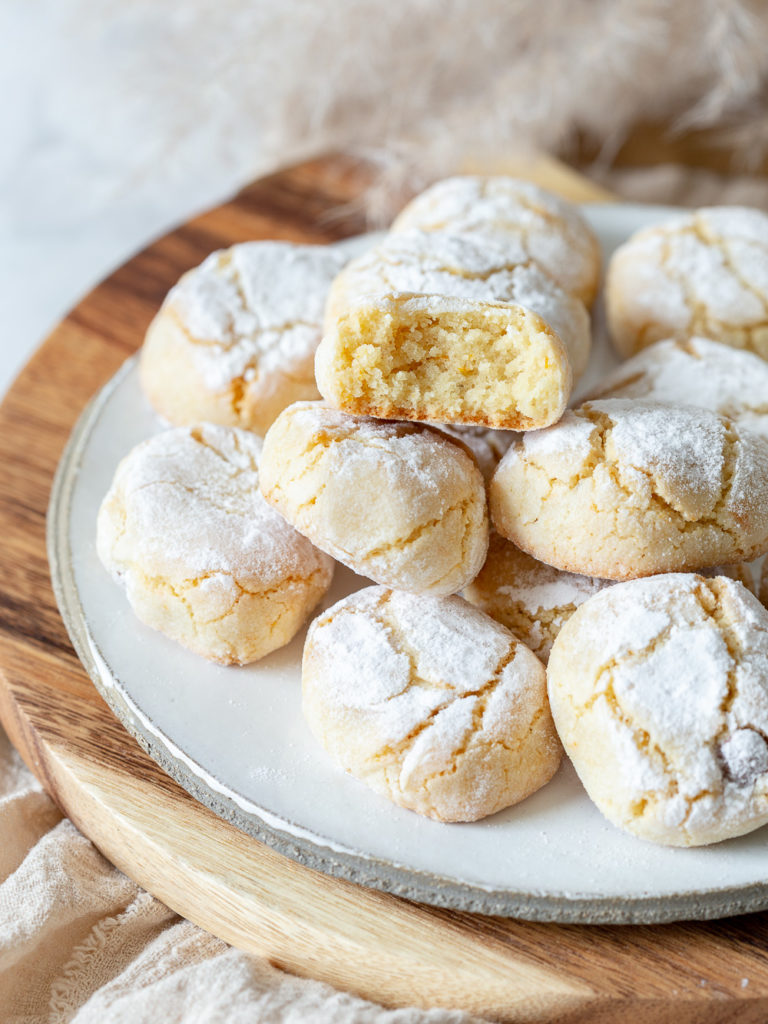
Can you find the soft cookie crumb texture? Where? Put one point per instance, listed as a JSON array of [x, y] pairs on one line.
[[496, 366]]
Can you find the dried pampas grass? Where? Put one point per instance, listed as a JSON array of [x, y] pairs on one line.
[[417, 84]]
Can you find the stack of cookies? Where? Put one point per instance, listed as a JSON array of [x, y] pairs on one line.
[[433, 451]]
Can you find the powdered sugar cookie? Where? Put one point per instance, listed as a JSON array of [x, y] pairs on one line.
[[620, 489], [549, 230], [698, 371], [701, 273], [530, 598], [234, 342], [534, 600], [397, 502], [201, 555], [429, 702], [659, 690], [487, 446], [450, 328]]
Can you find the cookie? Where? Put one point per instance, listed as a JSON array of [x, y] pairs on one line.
[[448, 328], [487, 446], [698, 371], [551, 231], [201, 555], [429, 702], [234, 342], [534, 600], [397, 502], [620, 489], [530, 598], [701, 273], [659, 690]]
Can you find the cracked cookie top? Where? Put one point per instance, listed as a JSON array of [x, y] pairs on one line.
[[429, 702], [703, 273], [240, 329], [398, 502], [659, 689], [186, 531], [530, 598], [619, 489], [546, 228], [700, 372]]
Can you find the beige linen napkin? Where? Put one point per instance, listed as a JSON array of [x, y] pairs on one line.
[[80, 942]]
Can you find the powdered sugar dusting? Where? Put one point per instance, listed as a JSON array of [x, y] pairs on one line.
[[571, 439], [552, 590], [706, 269], [452, 641], [454, 653], [190, 510], [727, 381], [685, 706], [680, 452], [547, 228], [255, 308]]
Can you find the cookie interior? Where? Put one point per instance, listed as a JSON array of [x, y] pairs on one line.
[[495, 365]]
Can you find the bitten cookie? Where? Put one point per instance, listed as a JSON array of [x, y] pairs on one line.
[[453, 329], [620, 489], [659, 690], [429, 702], [201, 555], [234, 342], [700, 372], [531, 599], [397, 502], [702, 273], [550, 230]]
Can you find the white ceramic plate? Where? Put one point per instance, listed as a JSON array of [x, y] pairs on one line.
[[236, 739]]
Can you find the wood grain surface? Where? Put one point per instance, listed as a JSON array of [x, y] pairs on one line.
[[367, 942]]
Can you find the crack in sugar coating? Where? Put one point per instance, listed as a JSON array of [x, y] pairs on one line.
[[398, 502], [449, 717], [531, 599], [620, 489], [550, 230], [666, 719], [696, 371], [234, 341], [201, 555], [702, 274]]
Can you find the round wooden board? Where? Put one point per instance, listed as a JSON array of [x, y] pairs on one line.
[[367, 942]]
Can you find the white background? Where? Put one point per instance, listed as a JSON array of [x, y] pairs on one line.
[[72, 207]]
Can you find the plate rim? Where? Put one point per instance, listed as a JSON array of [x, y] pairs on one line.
[[357, 867]]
